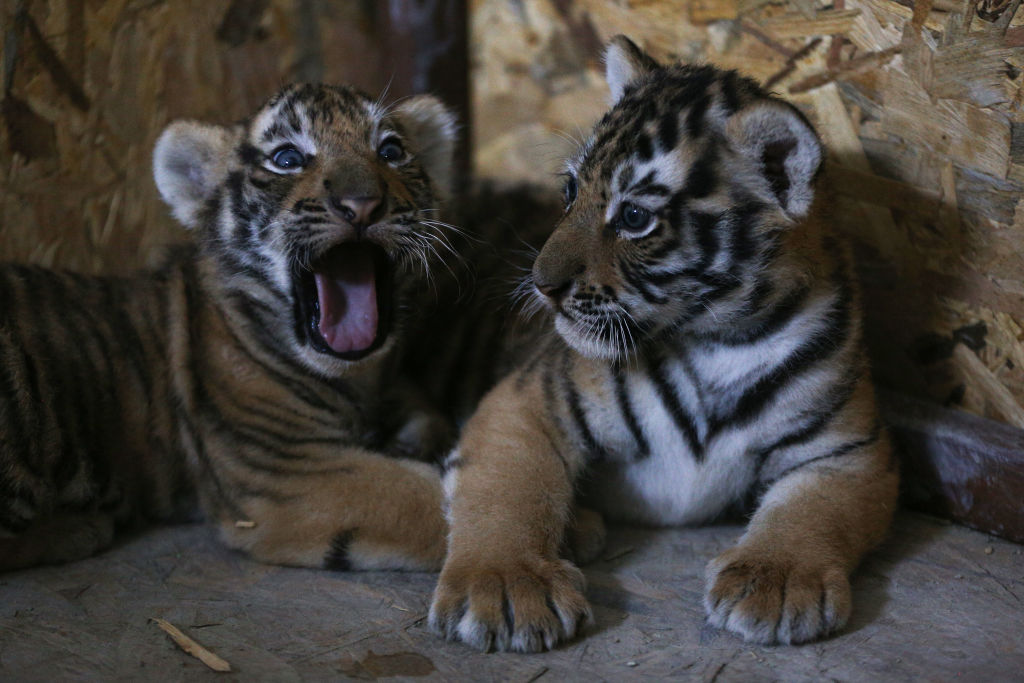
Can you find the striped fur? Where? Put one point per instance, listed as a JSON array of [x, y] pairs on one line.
[[707, 356], [215, 375]]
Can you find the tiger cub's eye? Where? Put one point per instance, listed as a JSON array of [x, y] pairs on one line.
[[570, 190], [634, 218], [391, 150], [288, 158]]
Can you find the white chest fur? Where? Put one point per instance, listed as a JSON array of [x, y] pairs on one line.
[[676, 446], [655, 473]]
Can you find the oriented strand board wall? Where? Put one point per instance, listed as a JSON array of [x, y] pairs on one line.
[[89, 84], [919, 102]]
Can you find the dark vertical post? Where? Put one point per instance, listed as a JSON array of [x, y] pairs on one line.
[[427, 50]]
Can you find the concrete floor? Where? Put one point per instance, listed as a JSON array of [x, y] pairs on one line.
[[937, 602]]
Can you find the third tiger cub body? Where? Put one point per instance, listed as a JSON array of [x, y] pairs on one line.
[[705, 353]]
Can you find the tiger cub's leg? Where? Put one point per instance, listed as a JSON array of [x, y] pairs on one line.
[[504, 584], [56, 539], [585, 536], [786, 581], [363, 511]]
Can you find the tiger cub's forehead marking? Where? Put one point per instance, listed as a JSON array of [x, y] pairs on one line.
[[662, 119], [306, 115], [660, 144]]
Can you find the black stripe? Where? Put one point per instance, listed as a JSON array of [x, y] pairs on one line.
[[626, 176], [65, 380], [111, 339], [670, 244], [839, 452], [730, 92], [184, 419], [638, 282], [628, 415], [14, 424], [836, 399], [701, 180], [644, 147], [337, 558], [249, 154], [695, 116], [706, 228], [24, 423], [742, 245], [683, 420], [784, 311], [261, 184], [301, 386], [668, 130], [251, 435], [665, 277], [821, 345], [594, 449], [127, 332], [720, 285]]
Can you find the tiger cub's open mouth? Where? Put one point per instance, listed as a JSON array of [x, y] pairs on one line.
[[344, 300]]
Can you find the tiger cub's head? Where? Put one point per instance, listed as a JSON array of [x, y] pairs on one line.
[[674, 205], [317, 214]]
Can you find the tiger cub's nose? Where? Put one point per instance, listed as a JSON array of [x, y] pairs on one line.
[[358, 211]]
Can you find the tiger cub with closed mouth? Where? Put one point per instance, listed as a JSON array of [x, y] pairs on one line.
[[706, 351], [257, 367]]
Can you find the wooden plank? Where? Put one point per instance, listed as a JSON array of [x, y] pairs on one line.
[[845, 70], [976, 138], [997, 397], [958, 465], [796, 25], [705, 11]]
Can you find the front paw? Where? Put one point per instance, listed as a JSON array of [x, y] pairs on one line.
[[774, 597], [529, 606]]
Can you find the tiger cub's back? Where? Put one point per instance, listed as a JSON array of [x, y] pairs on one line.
[[87, 406]]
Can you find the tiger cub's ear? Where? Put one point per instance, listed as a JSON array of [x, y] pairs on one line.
[[189, 162], [432, 130], [625, 62], [787, 148]]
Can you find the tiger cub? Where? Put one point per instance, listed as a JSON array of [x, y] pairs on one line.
[[707, 353], [256, 367]]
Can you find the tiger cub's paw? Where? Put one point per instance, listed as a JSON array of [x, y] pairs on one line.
[[528, 607], [775, 598]]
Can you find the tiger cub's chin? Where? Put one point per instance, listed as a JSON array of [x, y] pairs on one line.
[[257, 366], [708, 352], [581, 337]]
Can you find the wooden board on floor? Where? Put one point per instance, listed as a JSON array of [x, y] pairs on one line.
[[936, 602]]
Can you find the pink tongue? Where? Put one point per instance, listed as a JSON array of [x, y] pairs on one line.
[[346, 287]]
